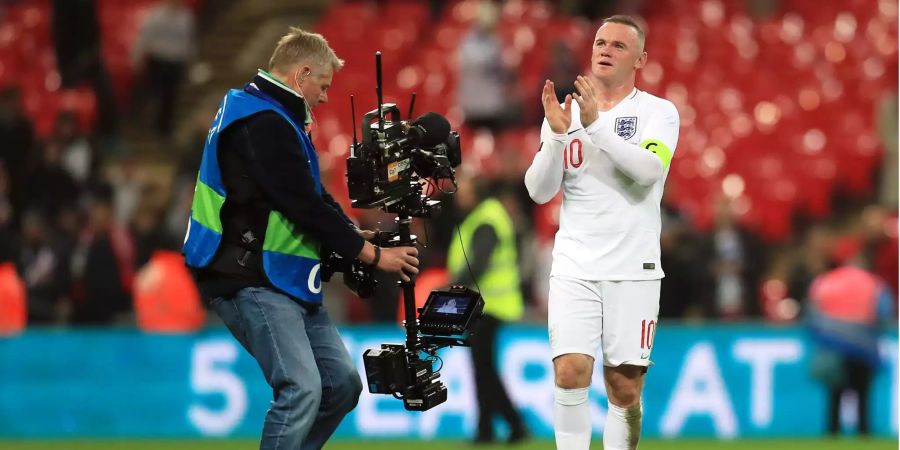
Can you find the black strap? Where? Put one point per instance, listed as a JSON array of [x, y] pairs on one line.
[[238, 261], [377, 257]]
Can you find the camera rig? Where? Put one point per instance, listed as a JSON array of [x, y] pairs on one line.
[[387, 170]]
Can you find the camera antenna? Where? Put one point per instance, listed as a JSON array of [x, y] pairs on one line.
[[412, 104], [378, 86], [353, 118]]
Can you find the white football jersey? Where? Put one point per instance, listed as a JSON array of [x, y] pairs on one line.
[[609, 224]]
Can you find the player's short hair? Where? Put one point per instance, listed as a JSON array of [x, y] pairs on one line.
[[622, 19], [298, 45]]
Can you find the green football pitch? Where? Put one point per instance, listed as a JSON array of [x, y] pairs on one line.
[[760, 444]]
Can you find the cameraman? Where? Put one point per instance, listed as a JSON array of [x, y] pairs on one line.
[[260, 222]]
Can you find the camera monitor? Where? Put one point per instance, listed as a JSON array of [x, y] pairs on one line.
[[450, 312]]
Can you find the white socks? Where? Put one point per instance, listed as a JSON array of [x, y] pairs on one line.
[[623, 427], [572, 419], [572, 422]]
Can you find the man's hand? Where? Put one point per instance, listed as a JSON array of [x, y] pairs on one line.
[[401, 260], [587, 100], [558, 118]]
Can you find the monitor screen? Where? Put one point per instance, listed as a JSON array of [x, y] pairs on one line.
[[445, 304]]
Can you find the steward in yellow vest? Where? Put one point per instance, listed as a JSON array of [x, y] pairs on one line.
[[488, 236]]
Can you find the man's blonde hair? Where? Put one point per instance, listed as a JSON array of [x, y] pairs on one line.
[[298, 46], [629, 21]]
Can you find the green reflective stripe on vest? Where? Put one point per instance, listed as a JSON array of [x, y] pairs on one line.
[[500, 283], [281, 238], [206, 207], [660, 149]]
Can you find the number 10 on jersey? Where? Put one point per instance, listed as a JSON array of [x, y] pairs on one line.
[[573, 154]]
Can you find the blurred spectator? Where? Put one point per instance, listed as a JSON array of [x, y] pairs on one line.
[[182, 190], [79, 56], [45, 270], [129, 182], [814, 259], [52, 187], [888, 118], [166, 299], [164, 47], [483, 78], [436, 9], [563, 68], [682, 286], [598, 9], [879, 244], [17, 136], [874, 247], [13, 308], [104, 264], [6, 213], [847, 307], [149, 235], [485, 258], [762, 8], [76, 154], [735, 264]]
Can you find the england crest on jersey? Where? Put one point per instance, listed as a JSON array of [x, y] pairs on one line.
[[626, 127]]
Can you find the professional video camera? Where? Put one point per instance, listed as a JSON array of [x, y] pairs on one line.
[[394, 154], [387, 170]]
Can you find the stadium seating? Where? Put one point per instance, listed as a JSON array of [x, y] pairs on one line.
[[777, 106], [28, 60], [783, 106]]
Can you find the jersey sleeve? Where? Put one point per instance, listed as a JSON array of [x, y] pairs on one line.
[[660, 136], [544, 177]]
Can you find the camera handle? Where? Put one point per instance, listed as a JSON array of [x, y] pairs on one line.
[[403, 237], [406, 238]]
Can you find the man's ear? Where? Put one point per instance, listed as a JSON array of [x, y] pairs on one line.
[[304, 72], [641, 61]]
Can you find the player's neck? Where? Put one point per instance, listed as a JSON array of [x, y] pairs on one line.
[[610, 93]]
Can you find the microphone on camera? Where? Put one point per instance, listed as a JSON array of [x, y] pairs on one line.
[[428, 130]]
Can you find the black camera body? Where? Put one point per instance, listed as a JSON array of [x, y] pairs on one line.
[[394, 154], [446, 319], [358, 276], [389, 372]]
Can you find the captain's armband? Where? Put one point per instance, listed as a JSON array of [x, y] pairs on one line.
[[660, 149]]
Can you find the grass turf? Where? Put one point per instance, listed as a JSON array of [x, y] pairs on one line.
[[158, 444]]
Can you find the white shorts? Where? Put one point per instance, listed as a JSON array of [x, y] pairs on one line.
[[619, 315]]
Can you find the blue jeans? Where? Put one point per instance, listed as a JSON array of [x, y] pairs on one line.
[[313, 379]]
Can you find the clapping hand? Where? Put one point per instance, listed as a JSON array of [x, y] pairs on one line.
[[587, 100], [559, 118]]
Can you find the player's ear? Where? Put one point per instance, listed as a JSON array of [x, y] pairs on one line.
[[641, 61]]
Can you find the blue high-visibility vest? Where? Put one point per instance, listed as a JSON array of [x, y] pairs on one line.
[[290, 258]]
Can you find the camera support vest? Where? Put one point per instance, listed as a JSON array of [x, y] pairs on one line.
[[500, 282], [290, 258]]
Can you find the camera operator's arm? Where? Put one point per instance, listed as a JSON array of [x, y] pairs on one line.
[[478, 253], [365, 234], [277, 164], [334, 204]]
